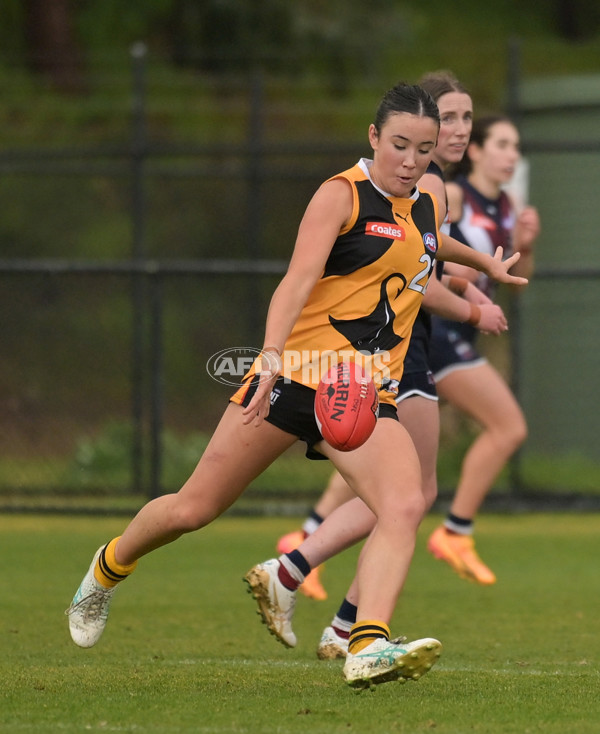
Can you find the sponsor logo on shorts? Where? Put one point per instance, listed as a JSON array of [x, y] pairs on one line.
[[385, 229]]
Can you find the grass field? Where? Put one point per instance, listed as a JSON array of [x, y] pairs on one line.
[[185, 652]]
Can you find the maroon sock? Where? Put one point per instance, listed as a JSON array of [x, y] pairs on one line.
[[288, 581], [344, 634]]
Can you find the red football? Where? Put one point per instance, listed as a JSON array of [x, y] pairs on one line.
[[346, 406]]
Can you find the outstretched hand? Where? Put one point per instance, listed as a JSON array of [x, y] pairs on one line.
[[498, 268]]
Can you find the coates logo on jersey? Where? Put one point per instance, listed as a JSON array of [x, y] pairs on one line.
[[430, 242], [385, 229]]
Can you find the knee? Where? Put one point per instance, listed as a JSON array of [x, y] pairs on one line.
[[430, 491], [516, 435], [507, 431], [409, 510]]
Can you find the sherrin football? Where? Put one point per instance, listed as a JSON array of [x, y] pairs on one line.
[[346, 406]]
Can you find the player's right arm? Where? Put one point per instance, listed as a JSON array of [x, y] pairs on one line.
[[327, 212]]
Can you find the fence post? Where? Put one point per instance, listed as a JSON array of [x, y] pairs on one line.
[[138, 254], [156, 385]]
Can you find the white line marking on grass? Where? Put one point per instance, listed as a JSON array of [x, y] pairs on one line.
[[240, 661], [516, 670]]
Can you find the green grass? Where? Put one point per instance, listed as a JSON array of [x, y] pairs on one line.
[[184, 651]]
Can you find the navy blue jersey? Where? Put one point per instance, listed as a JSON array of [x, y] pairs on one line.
[[417, 356], [484, 225]]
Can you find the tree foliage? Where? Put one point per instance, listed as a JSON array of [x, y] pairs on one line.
[[339, 39]]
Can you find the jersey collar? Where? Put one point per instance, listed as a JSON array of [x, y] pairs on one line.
[[365, 166]]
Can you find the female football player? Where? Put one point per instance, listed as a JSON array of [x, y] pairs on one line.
[[341, 278]]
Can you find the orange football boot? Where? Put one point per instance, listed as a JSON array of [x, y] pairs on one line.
[[458, 551]]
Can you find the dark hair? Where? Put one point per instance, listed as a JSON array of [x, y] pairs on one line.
[[441, 82], [408, 98], [479, 134], [483, 125]]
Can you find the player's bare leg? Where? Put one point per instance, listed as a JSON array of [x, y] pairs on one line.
[[481, 393], [385, 473], [236, 454], [336, 494]]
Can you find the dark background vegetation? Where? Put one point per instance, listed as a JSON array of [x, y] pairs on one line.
[[192, 95]]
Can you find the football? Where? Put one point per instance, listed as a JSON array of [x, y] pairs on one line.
[[346, 406]]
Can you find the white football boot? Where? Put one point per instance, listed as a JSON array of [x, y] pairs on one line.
[[89, 609], [332, 646], [387, 660], [275, 602]]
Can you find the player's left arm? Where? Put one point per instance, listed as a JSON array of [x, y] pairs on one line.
[[494, 267]]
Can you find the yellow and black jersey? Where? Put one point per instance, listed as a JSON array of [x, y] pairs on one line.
[[364, 305]]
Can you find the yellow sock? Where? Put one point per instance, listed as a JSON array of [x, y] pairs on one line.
[[363, 633], [108, 572]]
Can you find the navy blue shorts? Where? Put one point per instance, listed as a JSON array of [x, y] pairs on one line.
[[419, 384], [293, 411], [452, 348]]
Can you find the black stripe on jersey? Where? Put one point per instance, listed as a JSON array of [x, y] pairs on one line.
[[349, 253], [423, 214], [375, 331]]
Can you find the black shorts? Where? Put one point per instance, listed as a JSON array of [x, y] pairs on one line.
[[293, 411], [419, 384]]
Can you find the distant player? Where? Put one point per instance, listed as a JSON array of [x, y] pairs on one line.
[[483, 216]]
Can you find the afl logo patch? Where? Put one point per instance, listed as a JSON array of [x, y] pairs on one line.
[[430, 242]]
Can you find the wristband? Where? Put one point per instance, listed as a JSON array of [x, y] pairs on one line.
[[458, 285], [475, 315]]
